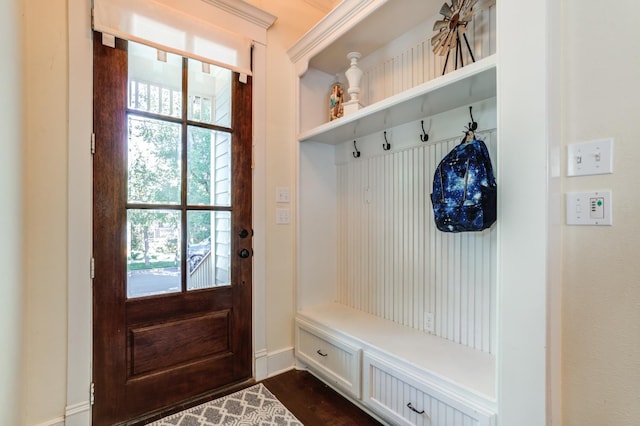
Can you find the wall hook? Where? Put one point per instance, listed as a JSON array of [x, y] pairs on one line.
[[473, 125], [356, 153], [469, 132], [424, 136], [386, 145]]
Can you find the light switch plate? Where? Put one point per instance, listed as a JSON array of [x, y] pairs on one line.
[[590, 158], [282, 195], [282, 216], [589, 208]]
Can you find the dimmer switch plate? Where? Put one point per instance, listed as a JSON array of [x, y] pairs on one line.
[[589, 208]]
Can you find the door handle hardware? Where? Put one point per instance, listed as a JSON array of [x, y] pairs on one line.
[[319, 352], [244, 253]]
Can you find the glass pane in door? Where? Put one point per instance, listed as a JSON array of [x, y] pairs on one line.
[[209, 94], [153, 252], [155, 81], [208, 249], [154, 161], [208, 167]]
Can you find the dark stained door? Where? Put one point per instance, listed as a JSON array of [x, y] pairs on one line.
[[172, 273]]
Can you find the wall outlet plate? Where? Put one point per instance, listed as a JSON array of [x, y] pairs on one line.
[[428, 322]]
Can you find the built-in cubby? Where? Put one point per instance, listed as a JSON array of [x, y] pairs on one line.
[[401, 303]]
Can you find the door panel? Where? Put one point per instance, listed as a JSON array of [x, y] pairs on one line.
[[179, 342], [154, 349]]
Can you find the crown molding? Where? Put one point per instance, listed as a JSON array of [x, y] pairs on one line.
[[326, 30], [245, 11]]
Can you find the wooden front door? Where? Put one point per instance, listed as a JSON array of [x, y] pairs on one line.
[[171, 230]]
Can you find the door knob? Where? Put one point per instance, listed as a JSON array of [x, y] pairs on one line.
[[243, 233], [244, 253]]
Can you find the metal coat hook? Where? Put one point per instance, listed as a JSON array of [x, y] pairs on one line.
[[424, 136], [473, 125], [469, 133], [386, 145], [356, 153]]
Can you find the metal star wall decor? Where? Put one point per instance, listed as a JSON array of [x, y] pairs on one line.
[[451, 30]]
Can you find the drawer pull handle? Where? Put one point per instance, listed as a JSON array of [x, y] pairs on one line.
[[319, 352], [411, 407]]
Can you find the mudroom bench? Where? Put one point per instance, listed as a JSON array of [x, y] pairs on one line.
[[400, 374]]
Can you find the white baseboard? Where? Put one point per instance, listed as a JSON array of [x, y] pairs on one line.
[[54, 422], [261, 364], [269, 364], [280, 361], [78, 414]]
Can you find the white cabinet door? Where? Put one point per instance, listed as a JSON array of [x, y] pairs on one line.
[[331, 357], [404, 399]]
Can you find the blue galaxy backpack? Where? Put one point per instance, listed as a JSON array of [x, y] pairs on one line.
[[464, 188]]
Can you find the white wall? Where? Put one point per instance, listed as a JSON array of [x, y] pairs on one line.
[[11, 211], [294, 19], [601, 282], [45, 197]]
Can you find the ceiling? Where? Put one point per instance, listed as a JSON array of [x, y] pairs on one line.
[[324, 5]]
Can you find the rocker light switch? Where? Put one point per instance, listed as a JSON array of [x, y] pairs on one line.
[[589, 208]]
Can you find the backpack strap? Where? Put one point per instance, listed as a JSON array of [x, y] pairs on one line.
[[466, 181]]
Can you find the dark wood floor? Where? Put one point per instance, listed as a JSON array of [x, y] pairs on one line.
[[310, 400], [313, 402]]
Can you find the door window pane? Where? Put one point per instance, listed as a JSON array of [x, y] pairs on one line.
[[209, 94], [154, 164], [208, 167], [155, 82], [208, 249], [153, 252]]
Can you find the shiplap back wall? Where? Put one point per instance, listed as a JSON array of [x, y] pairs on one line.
[[414, 62], [394, 263]]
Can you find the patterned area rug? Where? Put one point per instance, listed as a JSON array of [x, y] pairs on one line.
[[248, 407]]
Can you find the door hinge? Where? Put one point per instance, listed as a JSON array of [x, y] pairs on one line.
[[92, 268], [92, 396], [93, 143]]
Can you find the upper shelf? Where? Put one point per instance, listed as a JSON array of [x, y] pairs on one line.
[[472, 83], [360, 25]]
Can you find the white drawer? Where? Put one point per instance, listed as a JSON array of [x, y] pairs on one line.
[[331, 357], [404, 399]]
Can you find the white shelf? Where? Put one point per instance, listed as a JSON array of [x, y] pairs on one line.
[[472, 83], [470, 371], [357, 25]]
